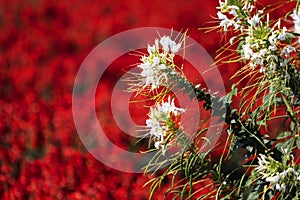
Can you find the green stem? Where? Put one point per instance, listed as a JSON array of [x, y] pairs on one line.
[[292, 113]]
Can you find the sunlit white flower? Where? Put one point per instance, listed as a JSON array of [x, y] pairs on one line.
[[247, 51], [262, 161], [248, 6], [154, 48], [284, 63], [257, 59], [262, 69], [273, 179], [273, 39], [271, 172], [282, 36], [263, 52], [154, 65], [272, 48], [157, 121], [296, 20], [272, 58], [225, 22], [233, 10], [287, 50], [156, 60], [169, 45], [280, 187], [222, 4], [254, 20], [153, 74]]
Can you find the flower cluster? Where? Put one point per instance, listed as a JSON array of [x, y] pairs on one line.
[[266, 51], [155, 65], [279, 176], [265, 46], [161, 123], [296, 19], [261, 43], [233, 15]]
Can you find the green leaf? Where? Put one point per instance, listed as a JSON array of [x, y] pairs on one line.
[[283, 135], [240, 46], [232, 93], [292, 126], [298, 143], [286, 145]]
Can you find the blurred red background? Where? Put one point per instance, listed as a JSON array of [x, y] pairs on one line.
[[42, 44]]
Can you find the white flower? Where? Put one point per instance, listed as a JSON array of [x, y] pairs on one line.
[[248, 6], [160, 145], [296, 20], [221, 16], [282, 35], [262, 162], [254, 20], [233, 10], [263, 52], [222, 4], [280, 187], [169, 107], [153, 74], [273, 179], [272, 47], [155, 64], [157, 122], [175, 48], [247, 51], [169, 45], [291, 170], [272, 57], [262, 69], [273, 39], [164, 41], [287, 50], [151, 49], [225, 22], [156, 60], [252, 65], [237, 26], [256, 58], [271, 174]]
